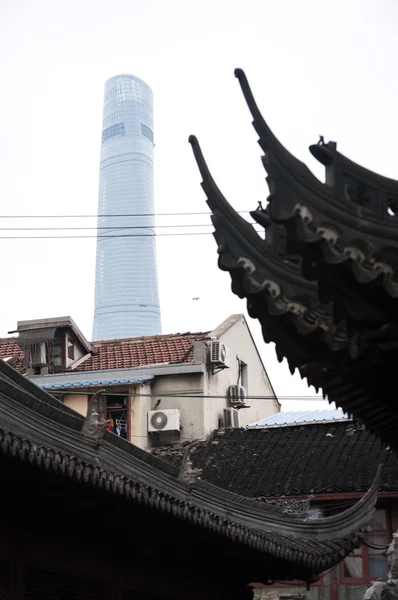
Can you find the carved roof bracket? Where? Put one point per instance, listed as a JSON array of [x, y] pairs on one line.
[[353, 217], [94, 424]]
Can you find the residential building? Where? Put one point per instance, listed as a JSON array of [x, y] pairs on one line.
[[157, 389], [126, 283], [316, 468], [87, 515]]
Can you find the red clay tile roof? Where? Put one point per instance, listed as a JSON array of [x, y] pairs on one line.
[[140, 352], [125, 353], [9, 348]]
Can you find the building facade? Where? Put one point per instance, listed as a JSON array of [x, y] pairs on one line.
[[126, 284], [157, 389]]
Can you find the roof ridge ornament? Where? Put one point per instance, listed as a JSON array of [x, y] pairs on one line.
[[94, 424], [187, 472]]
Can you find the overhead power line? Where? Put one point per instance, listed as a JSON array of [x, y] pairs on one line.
[[177, 395], [109, 227], [175, 214], [102, 237]]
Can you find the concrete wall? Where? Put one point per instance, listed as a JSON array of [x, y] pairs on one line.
[[191, 409], [240, 346], [77, 402]]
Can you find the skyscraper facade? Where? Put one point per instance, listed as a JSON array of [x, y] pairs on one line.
[[126, 284]]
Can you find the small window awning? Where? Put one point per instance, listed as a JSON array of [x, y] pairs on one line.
[[99, 382], [36, 336]]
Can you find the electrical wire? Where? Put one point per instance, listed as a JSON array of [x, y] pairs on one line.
[[102, 237], [106, 228], [175, 395], [175, 214]]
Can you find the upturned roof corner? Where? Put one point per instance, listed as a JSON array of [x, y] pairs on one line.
[[37, 429], [323, 281]]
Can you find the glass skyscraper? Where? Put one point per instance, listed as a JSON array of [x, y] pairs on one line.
[[126, 283]]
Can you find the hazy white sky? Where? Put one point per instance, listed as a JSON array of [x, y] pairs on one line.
[[315, 68]]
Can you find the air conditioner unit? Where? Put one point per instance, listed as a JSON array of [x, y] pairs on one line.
[[218, 353], [164, 420], [238, 396], [231, 417]]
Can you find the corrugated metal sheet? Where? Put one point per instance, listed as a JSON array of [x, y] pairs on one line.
[[83, 384], [36, 336], [300, 416]]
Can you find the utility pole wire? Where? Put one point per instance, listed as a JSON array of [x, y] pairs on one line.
[[106, 228], [102, 237], [176, 214], [177, 395]]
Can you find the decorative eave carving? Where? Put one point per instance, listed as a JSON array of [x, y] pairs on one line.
[[94, 425], [333, 313], [187, 472], [290, 506], [260, 268], [353, 218]]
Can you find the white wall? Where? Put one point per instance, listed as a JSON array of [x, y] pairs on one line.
[[240, 345], [78, 402], [199, 415], [191, 409]]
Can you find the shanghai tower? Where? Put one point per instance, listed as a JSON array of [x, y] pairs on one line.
[[126, 283]]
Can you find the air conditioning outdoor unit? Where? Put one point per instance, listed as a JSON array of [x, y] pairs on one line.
[[238, 396], [164, 420], [231, 417], [218, 353]]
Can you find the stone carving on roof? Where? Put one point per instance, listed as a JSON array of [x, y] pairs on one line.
[[187, 472], [290, 506], [94, 424]]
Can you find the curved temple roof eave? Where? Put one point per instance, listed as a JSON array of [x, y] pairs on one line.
[[43, 428], [345, 523], [38, 429], [268, 141]]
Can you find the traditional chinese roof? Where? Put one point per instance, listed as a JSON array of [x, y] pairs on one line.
[[38, 430], [324, 282], [313, 458]]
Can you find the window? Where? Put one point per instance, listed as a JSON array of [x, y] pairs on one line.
[[115, 409], [243, 375], [366, 563], [71, 349], [109, 132], [147, 132]]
